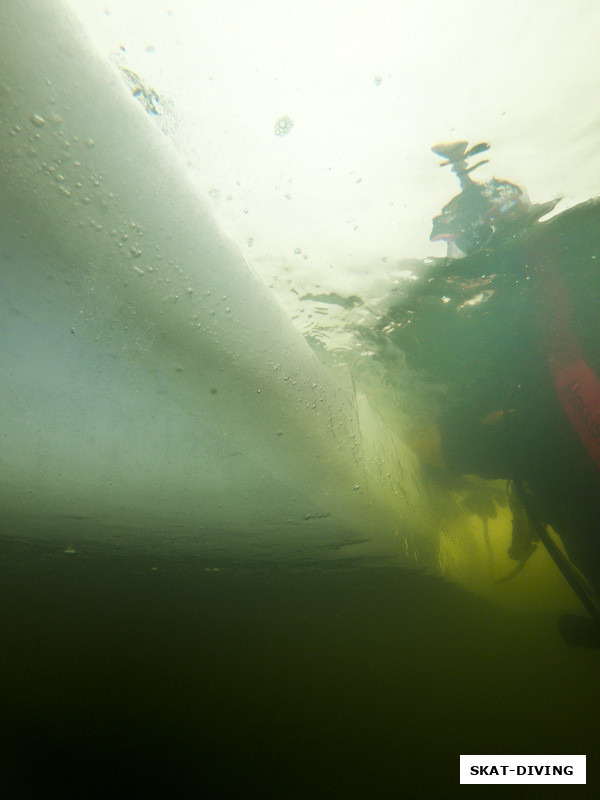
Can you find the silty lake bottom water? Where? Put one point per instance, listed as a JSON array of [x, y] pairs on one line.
[[129, 674]]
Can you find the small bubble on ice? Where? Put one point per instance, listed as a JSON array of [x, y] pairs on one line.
[[283, 126]]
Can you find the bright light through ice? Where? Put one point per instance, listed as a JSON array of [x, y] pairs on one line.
[[364, 89]]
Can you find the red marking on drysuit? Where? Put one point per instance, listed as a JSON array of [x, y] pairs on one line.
[[578, 388]]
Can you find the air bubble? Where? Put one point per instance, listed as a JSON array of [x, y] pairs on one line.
[[283, 126]]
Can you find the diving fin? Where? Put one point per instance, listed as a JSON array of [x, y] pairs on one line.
[[455, 152], [481, 147], [478, 164], [452, 151], [579, 631]]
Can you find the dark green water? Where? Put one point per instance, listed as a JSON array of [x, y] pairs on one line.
[[130, 676]]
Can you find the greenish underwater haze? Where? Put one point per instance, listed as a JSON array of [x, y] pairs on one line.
[[129, 675]]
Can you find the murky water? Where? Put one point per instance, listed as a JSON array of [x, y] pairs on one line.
[[225, 569], [128, 675]]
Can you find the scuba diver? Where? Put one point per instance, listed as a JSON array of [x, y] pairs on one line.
[[508, 323], [469, 220]]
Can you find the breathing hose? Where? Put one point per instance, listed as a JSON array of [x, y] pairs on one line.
[[571, 575]]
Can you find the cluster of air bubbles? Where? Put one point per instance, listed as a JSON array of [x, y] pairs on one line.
[[283, 126]]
